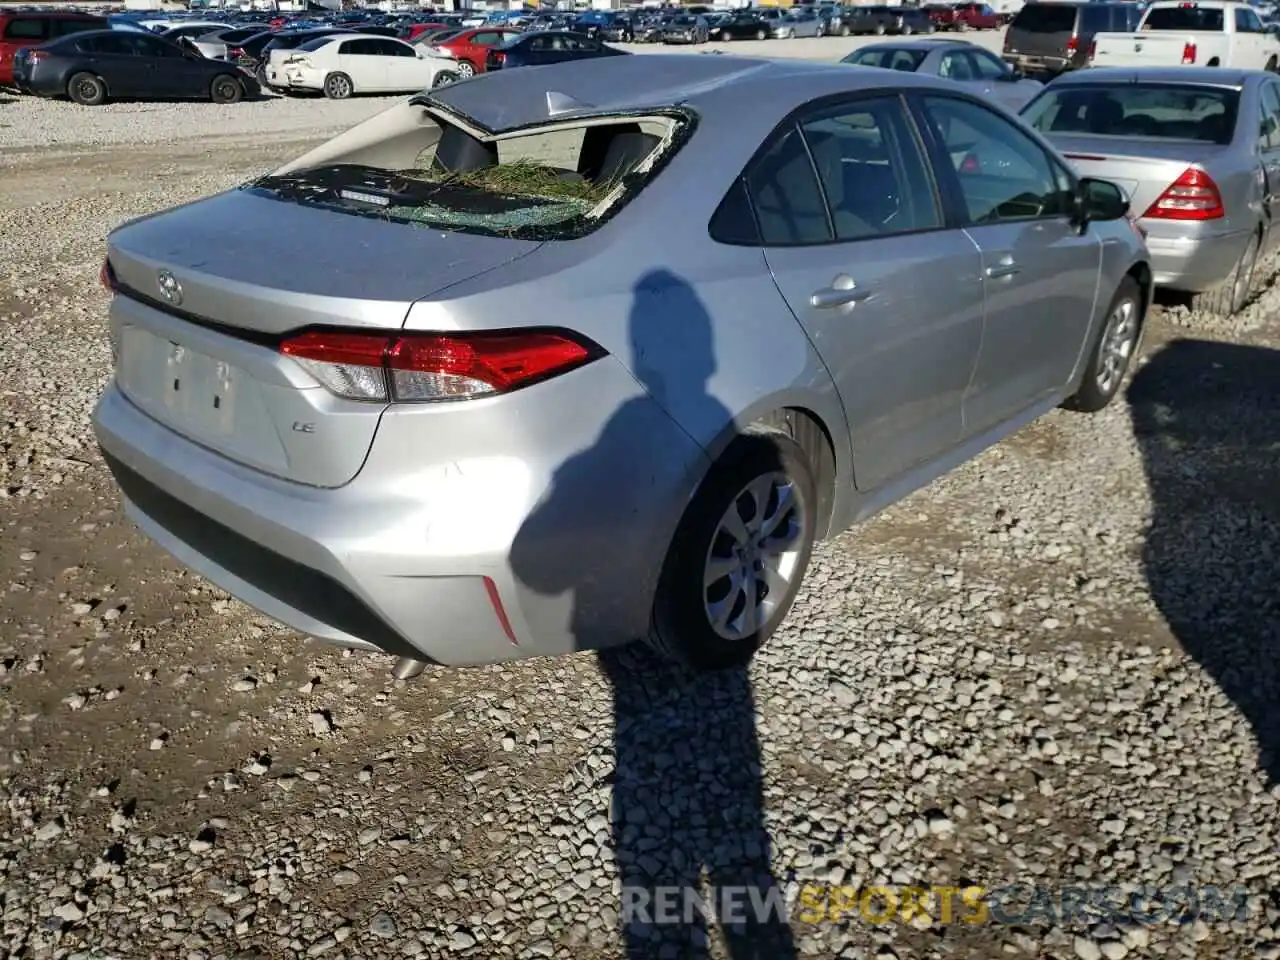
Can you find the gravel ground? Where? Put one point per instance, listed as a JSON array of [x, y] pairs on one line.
[[1056, 666]]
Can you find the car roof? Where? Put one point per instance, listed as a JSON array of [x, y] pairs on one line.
[[607, 85], [917, 44], [1207, 76]]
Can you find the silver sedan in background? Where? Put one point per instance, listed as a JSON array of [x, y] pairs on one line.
[[799, 22], [967, 64], [577, 366], [1197, 150]]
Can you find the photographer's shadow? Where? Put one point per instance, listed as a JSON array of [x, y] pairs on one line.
[[1207, 419], [687, 810]]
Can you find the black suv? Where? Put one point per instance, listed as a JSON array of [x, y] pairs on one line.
[[1046, 39]]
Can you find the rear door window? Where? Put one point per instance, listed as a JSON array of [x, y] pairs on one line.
[[1247, 21], [1184, 18], [105, 46], [1045, 18], [26, 28]]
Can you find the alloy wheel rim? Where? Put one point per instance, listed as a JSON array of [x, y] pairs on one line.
[[88, 89], [754, 556], [465, 70], [1117, 345]]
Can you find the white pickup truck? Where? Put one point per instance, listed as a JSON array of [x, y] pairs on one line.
[[1215, 33]]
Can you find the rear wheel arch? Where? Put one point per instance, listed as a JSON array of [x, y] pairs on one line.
[[808, 430]]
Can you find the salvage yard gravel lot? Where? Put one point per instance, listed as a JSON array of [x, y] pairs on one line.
[[1056, 667]]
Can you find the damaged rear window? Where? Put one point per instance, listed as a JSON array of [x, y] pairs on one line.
[[545, 182]]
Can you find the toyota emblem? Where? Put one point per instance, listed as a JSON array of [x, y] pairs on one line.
[[169, 286]]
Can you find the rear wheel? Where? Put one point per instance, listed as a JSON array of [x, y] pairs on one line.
[[87, 89], [337, 86], [907, 30], [725, 36], [444, 78], [739, 554], [226, 89], [761, 35], [466, 69], [879, 30], [1229, 297], [962, 27], [1113, 353], [844, 30]]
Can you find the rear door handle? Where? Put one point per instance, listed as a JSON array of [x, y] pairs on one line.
[[996, 271], [842, 292]]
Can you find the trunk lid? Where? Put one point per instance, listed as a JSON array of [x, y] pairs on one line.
[[208, 289], [1147, 48], [1142, 169]]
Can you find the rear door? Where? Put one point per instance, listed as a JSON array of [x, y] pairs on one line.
[[361, 59], [116, 59], [1269, 155], [1040, 273], [854, 235]]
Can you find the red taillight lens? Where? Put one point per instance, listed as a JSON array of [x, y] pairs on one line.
[[107, 277], [1072, 46], [236, 52], [499, 57], [970, 163], [1193, 196], [1093, 50], [415, 368], [1188, 53]]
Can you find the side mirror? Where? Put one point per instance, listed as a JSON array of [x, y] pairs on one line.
[[1100, 200]]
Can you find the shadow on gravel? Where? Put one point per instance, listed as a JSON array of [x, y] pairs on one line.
[[1207, 419], [687, 812]]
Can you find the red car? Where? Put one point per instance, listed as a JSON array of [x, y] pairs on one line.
[[471, 47], [414, 30], [976, 16], [25, 28]]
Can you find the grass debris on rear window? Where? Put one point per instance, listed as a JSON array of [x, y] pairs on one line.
[[502, 197]]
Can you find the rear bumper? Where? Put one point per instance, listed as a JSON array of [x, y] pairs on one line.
[[497, 536], [1191, 264], [284, 78], [1029, 63]]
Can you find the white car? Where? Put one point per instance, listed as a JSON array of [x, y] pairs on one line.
[[342, 64]]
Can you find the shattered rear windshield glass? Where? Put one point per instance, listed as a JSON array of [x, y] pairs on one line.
[[545, 184]]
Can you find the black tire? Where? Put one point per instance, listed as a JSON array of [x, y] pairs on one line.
[[682, 629], [444, 78], [87, 90], [1229, 297], [907, 30], [962, 26], [226, 89], [844, 30], [1112, 355], [725, 36], [762, 35], [879, 30], [338, 86]]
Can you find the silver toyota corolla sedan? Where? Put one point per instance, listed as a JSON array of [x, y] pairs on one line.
[[546, 362], [1197, 150]]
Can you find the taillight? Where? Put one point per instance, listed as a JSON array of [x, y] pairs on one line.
[[970, 163], [236, 52], [1188, 53], [107, 277], [1093, 50], [1072, 46], [1193, 196], [420, 367], [499, 57]]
